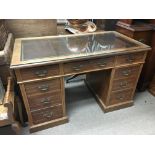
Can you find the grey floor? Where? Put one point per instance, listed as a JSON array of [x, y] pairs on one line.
[[86, 117]]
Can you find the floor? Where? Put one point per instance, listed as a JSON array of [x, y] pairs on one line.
[[86, 117]]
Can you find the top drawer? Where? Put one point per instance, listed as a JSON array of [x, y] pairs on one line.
[[127, 72], [86, 65], [130, 58], [39, 72]]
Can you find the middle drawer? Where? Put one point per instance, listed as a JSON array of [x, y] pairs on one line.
[[87, 65], [125, 83], [41, 87], [43, 94]]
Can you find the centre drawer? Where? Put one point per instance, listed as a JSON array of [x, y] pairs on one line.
[[130, 58], [41, 87], [44, 100], [39, 72], [127, 72], [102, 63], [46, 115], [86, 65]]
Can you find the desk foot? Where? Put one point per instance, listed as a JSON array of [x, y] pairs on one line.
[[115, 107], [49, 124]]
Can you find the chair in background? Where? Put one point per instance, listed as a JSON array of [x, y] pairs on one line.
[[8, 109], [6, 48]]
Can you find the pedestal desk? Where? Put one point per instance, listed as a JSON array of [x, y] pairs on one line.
[[111, 61]]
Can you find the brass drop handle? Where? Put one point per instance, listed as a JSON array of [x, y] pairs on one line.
[[123, 84], [77, 68], [120, 98], [43, 87], [41, 73], [45, 101], [126, 72], [49, 115], [102, 64], [130, 58]]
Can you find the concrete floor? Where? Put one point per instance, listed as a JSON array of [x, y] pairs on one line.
[[86, 117]]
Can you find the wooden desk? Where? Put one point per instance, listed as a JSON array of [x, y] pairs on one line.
[[111, 61]]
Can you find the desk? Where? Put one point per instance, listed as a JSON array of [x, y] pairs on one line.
[[111, 61]]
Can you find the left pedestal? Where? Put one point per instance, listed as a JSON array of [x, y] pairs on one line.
[[43, 94]]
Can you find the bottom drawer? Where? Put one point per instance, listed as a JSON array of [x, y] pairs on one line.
[[120, 96], [48, 114]]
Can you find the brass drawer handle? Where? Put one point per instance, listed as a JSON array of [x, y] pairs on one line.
[[45, 101], [102, 64], [126, 72], [120, 98], [130, 58], [41, 73], [77, 68], [44, 87], [123, 84], [49, 115]]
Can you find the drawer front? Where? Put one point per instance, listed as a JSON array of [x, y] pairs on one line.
[[86, 65], [130, 58], [127, 72], [75, 67], [39, 72], [41, 87], [102, 63], [121, 96], [44, 100], [123, 84], [46, 115]]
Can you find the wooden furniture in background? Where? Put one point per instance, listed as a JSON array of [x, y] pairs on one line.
[[6, 44], [111, 61], [7, 109], [144, 33], [151, 88], [152, 84], [128, 22], [22, 28], [106, 24]]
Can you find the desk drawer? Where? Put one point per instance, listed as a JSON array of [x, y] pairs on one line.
[[125, 72], [125, 83], [102, 63], [75, 67], [120, 96], [86, 65], [130, 58], [41, 87], [39, 72], [48, 114], [44, 100]]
